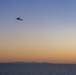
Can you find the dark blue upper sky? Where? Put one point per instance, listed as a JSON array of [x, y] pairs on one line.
[[38, 10], [37, 14]]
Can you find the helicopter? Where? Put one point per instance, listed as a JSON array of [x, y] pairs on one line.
[[18, 18]]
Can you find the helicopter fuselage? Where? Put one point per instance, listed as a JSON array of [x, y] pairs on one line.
[[19, 19]]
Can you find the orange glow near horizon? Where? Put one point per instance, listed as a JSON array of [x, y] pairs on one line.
[[38, 54]]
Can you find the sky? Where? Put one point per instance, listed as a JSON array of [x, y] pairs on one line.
[[46, 34]]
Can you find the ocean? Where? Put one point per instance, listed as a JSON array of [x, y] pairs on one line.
[[37, 69]]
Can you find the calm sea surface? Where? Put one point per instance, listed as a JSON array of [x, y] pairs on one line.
[[37, 69]]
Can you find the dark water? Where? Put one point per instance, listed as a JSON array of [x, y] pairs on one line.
[[37, 69]]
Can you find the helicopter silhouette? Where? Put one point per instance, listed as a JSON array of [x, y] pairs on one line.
[[18, 18]]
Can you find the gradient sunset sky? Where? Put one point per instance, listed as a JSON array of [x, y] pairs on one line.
[[47, 33]]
